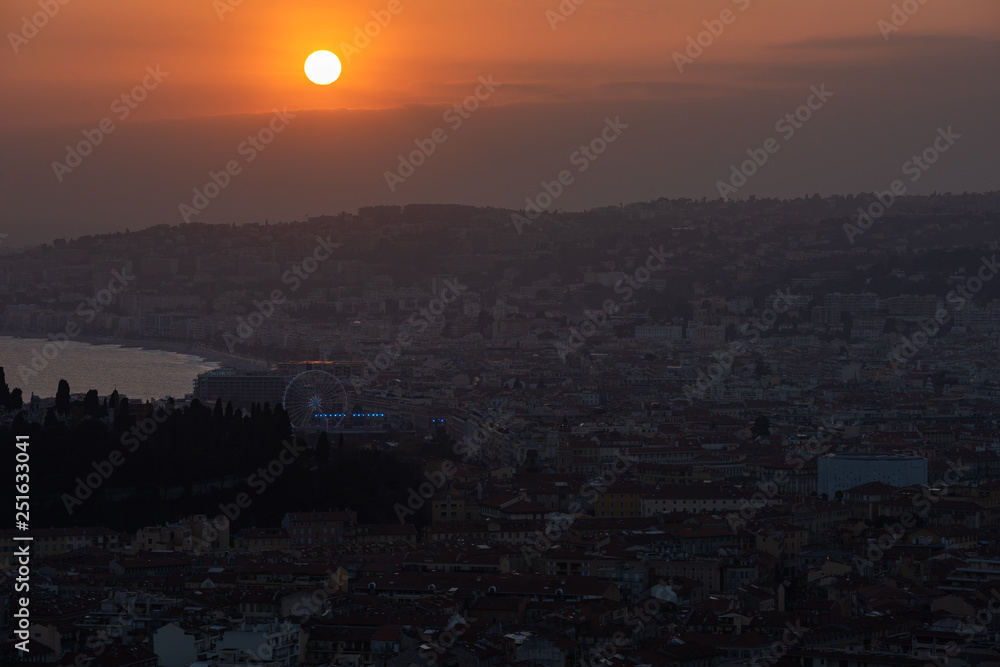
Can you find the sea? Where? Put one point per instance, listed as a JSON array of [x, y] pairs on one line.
[[36, 365]]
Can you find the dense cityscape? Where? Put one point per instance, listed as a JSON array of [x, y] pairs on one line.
[[679, 432]]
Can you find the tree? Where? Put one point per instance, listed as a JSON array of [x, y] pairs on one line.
[[122, 419], [92, 404], [217, 413], [4, 389], [14, 401], [62, 397], [282, 424], [761, 427], [322, 448]]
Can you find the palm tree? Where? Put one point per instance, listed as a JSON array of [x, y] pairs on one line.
[[62, 397]]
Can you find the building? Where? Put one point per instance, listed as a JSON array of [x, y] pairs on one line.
[[179, 647], [275, 644], [316, 528], [262, 539], [188, 534], [620, 500], [690, 498], [839, 472], [53, 541]]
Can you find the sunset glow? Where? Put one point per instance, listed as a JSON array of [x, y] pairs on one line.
[[323, 68], [181, 86]]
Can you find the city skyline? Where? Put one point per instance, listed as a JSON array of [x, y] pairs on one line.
[[523, 333]]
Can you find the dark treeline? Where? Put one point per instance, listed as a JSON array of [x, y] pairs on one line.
[[95, 464]]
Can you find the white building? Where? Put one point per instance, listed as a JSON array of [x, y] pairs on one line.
[[265, 645], [271, 644], [177, 647], [838, 472]]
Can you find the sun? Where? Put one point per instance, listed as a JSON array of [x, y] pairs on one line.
[[323, 68]]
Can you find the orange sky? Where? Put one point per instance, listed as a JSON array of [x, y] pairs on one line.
[[430, 52], [609, 58]]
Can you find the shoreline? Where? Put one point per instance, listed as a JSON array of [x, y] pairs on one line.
[[206, 354]]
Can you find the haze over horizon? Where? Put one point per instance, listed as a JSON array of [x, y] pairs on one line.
[[222, 73]]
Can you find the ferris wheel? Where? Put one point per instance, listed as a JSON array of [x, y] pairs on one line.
[[315, 401]]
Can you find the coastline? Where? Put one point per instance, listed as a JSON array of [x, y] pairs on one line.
[[208, 355]]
